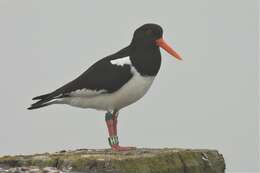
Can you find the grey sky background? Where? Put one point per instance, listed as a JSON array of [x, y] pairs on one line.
[[209, 100]]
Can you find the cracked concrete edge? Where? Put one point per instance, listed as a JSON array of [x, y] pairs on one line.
[[140, 160]]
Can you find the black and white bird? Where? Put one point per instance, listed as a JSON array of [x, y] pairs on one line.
[[115, 81]]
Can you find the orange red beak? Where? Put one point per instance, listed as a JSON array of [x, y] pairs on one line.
[[160, 42]]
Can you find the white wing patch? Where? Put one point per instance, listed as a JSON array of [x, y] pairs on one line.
[[121, 61], [86, 92]]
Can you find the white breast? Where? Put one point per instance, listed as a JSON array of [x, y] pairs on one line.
[[129, 93]]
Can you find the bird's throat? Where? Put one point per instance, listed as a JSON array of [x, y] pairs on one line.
[[147, 60]]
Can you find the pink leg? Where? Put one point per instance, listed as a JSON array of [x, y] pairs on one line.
[[112, 130], [115, 115]]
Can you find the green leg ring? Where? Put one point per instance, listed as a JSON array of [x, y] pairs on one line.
[[109, 116]]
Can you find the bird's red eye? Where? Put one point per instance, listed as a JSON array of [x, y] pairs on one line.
[[148, 32]]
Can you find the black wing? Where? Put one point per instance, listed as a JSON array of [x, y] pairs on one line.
[[100, 76]]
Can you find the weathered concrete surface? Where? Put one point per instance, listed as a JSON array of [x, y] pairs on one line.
[[106, 161]]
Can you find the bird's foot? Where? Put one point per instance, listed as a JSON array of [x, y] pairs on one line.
[[117, 147]]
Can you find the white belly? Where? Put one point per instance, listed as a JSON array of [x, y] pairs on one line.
[[132, 91]]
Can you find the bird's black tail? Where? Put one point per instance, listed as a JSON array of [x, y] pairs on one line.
[[43, 100], [44, 96], [38, 106]]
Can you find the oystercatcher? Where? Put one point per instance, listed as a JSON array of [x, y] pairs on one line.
[[115, 81]]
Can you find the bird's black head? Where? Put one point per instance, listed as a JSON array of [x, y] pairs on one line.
[[147, 34], [151, 35]]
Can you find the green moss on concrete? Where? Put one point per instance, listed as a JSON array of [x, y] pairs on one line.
[[162, 163], [136, 161]]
